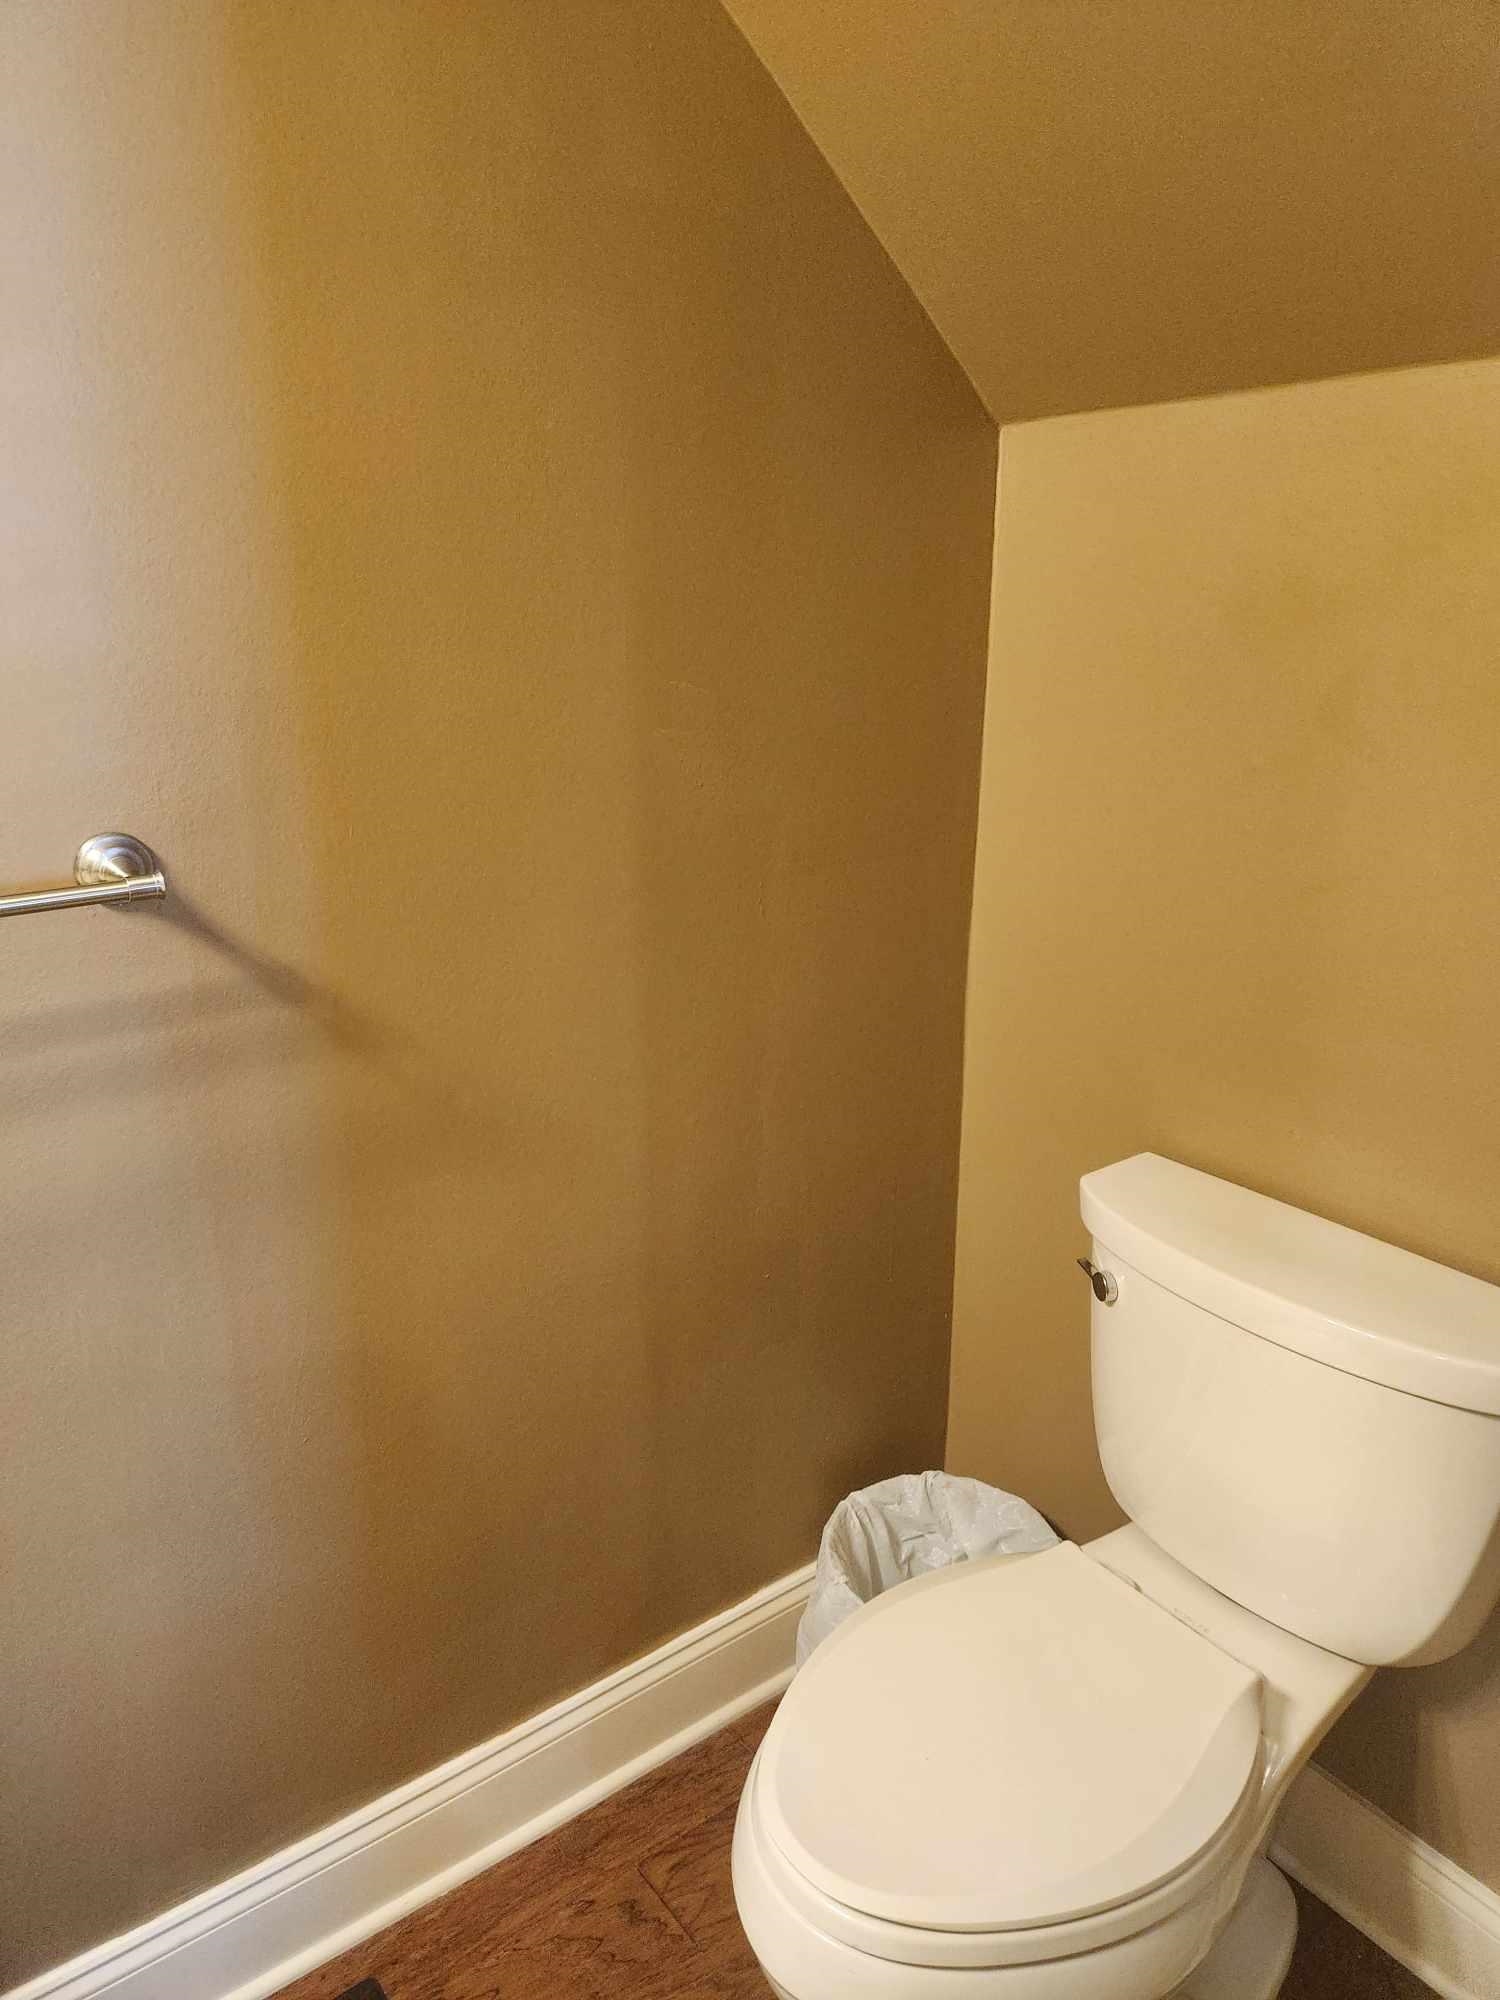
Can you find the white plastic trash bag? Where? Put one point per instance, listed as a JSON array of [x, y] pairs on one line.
[[904, 1527]]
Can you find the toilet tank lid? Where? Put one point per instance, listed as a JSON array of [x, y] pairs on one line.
[[1308, 1284]]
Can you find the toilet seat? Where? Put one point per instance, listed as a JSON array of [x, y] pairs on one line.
[[1005, 1761], [1204, 1884]]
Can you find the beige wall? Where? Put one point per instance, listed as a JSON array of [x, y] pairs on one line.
[[1235, 901], [479, 499], [1118, 201]]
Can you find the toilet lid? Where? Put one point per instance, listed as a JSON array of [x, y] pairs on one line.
[[1009, 1742]]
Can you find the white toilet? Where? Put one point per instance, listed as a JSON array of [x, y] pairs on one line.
[[1053, 1777]]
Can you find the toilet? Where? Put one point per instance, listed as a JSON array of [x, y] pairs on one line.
[[1055, 1776]]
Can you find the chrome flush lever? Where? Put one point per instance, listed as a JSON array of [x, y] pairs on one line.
[[1106, 1291]]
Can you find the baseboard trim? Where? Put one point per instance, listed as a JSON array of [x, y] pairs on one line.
[[1406, 1897], [253, 1934]]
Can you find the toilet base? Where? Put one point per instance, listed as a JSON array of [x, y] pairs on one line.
[[1254, 1950]]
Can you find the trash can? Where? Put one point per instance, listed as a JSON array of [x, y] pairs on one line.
[[903, 1527]]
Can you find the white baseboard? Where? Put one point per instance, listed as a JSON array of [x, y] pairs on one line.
[[1405, 1896], [256, 1932]]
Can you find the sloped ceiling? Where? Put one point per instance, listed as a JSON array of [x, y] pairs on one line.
[[1122, 201]]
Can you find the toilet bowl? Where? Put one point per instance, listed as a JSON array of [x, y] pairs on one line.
[[1052, 1770], [1054, 1776]]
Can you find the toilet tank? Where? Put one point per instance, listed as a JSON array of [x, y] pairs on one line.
[[1306, 1418]]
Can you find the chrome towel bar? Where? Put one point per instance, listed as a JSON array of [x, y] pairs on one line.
[[110, 868]]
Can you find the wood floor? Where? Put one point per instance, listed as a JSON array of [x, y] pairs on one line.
[[633, 1901]]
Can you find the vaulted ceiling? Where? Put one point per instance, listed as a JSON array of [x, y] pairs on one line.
[[1120, 201]]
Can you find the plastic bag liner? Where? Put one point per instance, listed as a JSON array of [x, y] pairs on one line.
[[904, 1527]]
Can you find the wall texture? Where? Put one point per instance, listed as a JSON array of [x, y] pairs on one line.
[[1235, 901], [478, 498], [1117, 203]]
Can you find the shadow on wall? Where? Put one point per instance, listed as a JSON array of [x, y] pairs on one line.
[[267, 1013], [1423, 1776], [595, 656]]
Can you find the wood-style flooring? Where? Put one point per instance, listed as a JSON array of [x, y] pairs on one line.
[[633, 1901]]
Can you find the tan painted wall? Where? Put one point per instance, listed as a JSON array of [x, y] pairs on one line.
[[1118, 201], [1236, 901], [476, 495]]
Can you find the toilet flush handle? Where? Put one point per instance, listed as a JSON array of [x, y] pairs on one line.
[[1106, 1291]]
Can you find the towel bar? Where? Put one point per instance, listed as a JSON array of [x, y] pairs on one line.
[[110, 868]]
